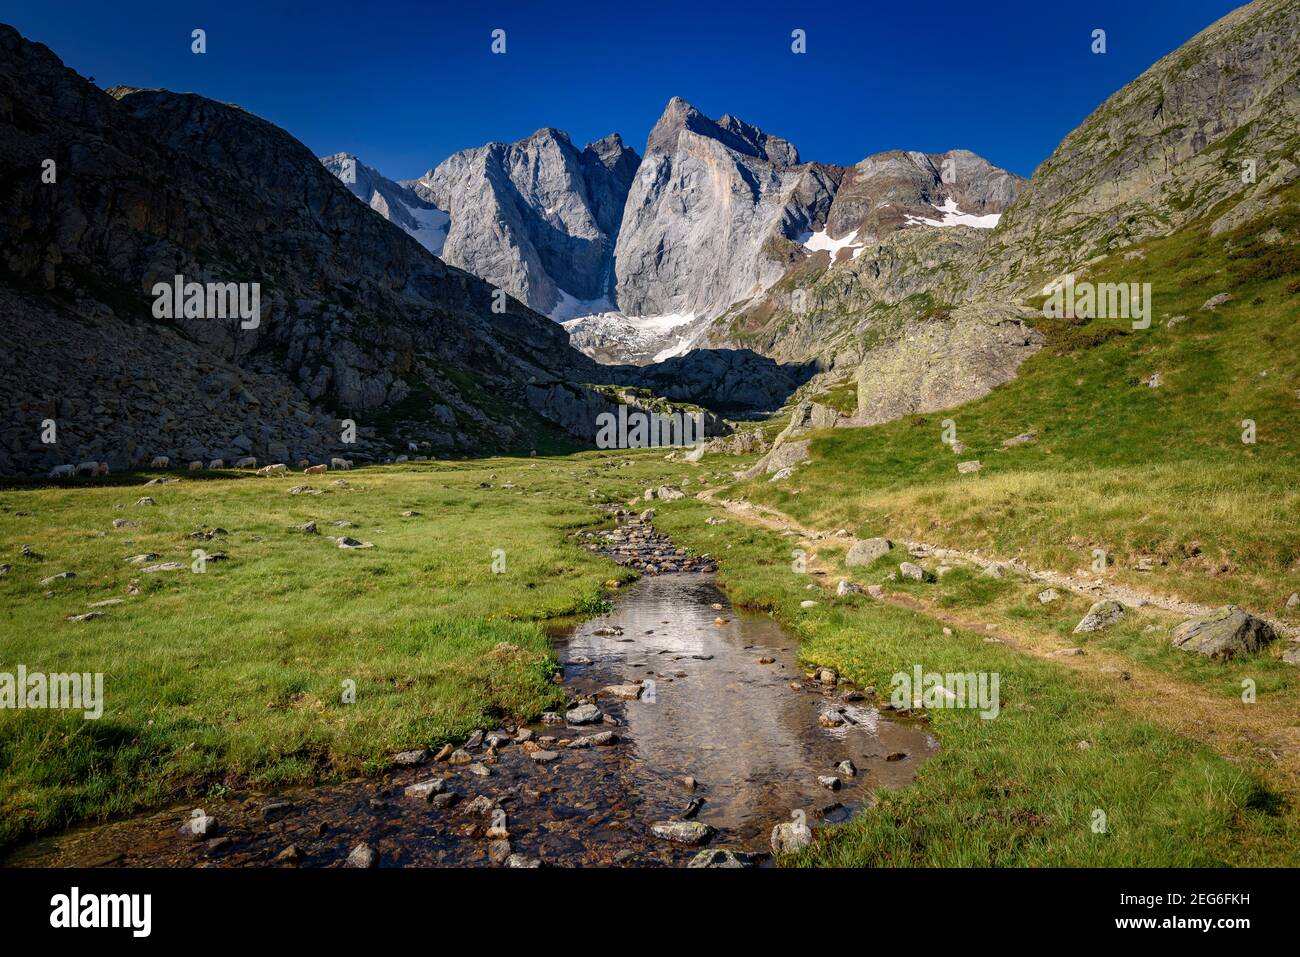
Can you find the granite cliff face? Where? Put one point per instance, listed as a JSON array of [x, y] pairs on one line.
[[640, 257], [356, 319], [538, 218]]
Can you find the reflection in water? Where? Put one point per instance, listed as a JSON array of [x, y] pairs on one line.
[[718, 715], [750, 739]]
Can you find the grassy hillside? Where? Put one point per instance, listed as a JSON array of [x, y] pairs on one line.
[[1143, 473]]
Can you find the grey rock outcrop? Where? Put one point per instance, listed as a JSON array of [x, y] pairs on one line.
[[1226, 634]]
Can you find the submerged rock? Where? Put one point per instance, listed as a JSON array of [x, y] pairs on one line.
[[691, 833]]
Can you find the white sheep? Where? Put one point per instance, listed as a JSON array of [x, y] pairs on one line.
[[247, 462], [343, 464], [160, 462], [63, 471]]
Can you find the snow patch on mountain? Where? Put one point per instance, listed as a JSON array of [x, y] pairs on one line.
[[431, 227], [952, 216], [816, 242], [636, 339]]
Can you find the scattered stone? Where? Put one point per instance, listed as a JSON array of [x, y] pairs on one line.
[[518, 860], [1101, 615], [1069, 652], [543, 757], [867, 551], [966, 468], [290, 855], [125, 523], [808, 603], [107, 602], [1048, 595], [146, 501], [479, 769], [61, 576], [895, 756], [309, 528], [444, 753], [721, 858], [481, 806], [583, 714], [828, 676], [199, 825], [829, 781], [766, 661], [87, 616], [460, 756], [1215, 301], [600, 738], [628, 692], [914, 572], [1293, 601], [1223, 635], [830, 719], [847, 768], [363, 855], [790, 837], [689, 783], [346, 542], [846, 587], [1021, 439], [690, 833], [1292, 655], [499, 851], [445, 799], [164, 567]]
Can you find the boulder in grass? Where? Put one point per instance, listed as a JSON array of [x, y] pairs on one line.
[[1227, 633], [1101, 615], [867, 551], [914, 572], [966, 468]]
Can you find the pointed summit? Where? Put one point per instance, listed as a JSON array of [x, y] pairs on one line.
[[731, 132]]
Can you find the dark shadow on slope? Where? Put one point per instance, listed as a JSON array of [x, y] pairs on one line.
[[725, 380]]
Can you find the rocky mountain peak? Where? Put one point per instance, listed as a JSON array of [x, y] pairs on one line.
[[731, 132]]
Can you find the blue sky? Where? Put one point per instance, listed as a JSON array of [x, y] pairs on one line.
[[404, 84]]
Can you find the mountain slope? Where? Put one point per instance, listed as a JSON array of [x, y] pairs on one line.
[[357, 320], [1165, 148]]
